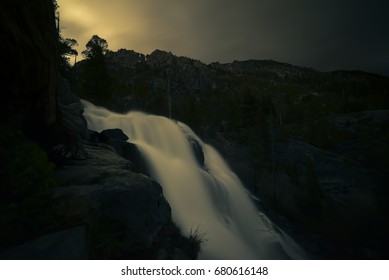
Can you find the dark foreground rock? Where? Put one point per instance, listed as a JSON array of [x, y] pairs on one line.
[[104, 210], [103, 189], [61, 245], [125, 212]]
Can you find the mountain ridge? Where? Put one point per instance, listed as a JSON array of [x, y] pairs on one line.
[[148, 79], [234, 63]]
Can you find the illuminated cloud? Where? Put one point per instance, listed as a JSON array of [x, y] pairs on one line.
[[324, 34]]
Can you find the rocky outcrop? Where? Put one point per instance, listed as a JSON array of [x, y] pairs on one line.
[[114, 133], [124, 59], [197, 150], [325, 195], [102, 190], [367, 135], [340, 180], [194, 143], [270, 69], [71, 109], [104, 210], [116, 141], [125, 212]]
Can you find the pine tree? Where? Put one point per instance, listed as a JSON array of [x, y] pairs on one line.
[[96, 81]]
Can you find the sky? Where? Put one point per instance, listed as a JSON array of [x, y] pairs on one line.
[[322, 34]]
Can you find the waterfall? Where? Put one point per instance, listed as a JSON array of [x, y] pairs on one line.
[[208, 198]]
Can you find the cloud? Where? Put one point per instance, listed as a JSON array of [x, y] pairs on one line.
[[322, 34]]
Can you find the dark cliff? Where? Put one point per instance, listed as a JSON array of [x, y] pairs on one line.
[[28, 36]]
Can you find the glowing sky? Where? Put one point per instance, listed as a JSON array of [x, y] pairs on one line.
[[323, 34]]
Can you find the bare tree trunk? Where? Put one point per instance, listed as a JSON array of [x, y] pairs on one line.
[[57, 19], [273, 178]]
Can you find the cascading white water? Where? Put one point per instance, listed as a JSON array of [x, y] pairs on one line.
[[211, 198]]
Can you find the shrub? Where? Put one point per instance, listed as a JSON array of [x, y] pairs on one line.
[[26, 178], [26, 170]]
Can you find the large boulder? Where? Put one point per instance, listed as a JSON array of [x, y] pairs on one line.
[[102, 192], [195, 143], [115, 133], [116, 141]]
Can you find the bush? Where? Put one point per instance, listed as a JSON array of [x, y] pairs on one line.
[[26, 170], [26, 178]]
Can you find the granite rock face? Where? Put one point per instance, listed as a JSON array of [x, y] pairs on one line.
[[102, 188], [332, 200], [116, 141], [125, 212], [338, 179]]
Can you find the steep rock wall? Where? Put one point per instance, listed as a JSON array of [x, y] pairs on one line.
[[28, 36]]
